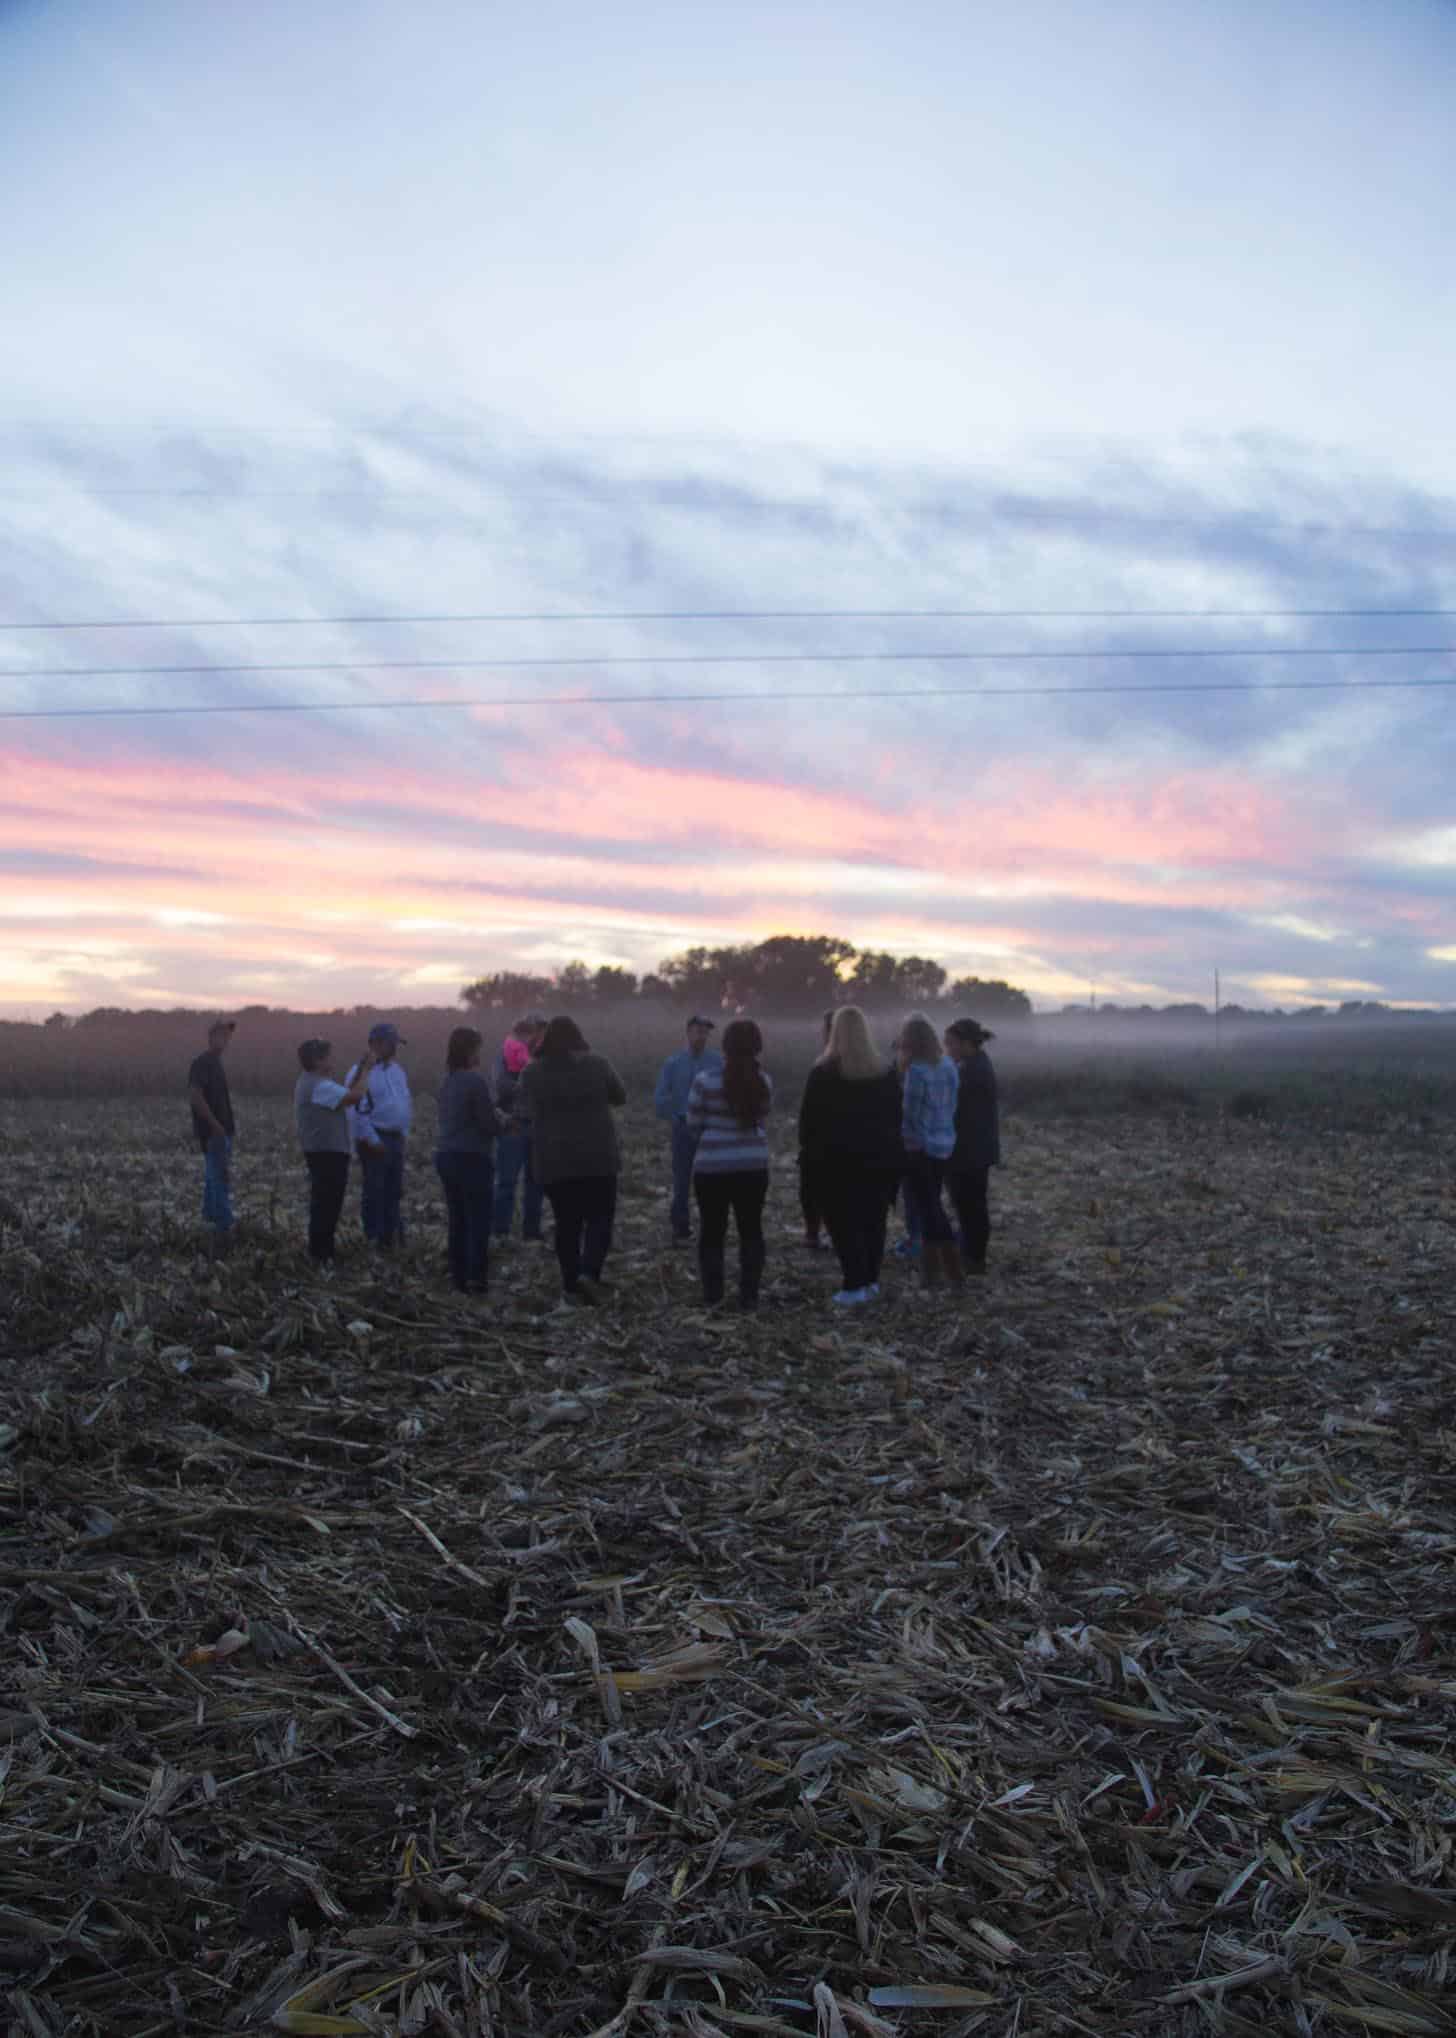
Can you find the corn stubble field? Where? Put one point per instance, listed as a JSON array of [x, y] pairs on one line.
[[1072, 1655]]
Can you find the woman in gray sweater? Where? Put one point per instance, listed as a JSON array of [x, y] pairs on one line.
[[568, 1094], [465, 1160], [319, 1108]]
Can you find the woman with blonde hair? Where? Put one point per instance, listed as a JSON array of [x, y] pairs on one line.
[[849, 1132], [928, 1134]]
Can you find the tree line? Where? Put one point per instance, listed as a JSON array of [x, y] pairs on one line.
[[787, 973]]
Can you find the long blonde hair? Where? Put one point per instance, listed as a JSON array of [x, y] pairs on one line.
[[919, 1040], [851, 1046]]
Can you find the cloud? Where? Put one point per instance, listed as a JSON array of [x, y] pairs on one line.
[[1018, 835]]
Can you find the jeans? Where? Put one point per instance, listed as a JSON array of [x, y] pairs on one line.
[[684, 1146], [856, 1209], [585, 1208], [217, 1207], [382, 1190], [512, 1156], [968, 1194], [924, 1180], [328, 1178], [468, 1180]]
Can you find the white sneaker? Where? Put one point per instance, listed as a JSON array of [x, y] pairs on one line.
[[849, 1298]]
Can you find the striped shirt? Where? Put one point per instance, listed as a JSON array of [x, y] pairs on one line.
[[927, 1123], [724, 1146]]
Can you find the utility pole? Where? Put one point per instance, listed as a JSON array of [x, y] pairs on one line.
[[1217, 1011]]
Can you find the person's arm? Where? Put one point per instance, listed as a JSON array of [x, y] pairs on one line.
[[912, 1116], [331, 1095], [697, 1112], [487, 1119], [662, 1095], [616, 1089], [204, 1111], [366, 1139], [810, 1115]]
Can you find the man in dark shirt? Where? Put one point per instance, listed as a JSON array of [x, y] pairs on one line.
[[213, 1127]]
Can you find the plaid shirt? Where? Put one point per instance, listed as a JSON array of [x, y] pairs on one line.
[[928, 1114]]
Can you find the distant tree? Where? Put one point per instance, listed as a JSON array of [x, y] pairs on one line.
[[1185, 1012], [872, 977], [918, 981], [507, 990], [704, 976], [58, 1023], [653, 986], [993, 998], [610, 984], [104, 1015], [573, 985], [794, 972], [1315, 1012]]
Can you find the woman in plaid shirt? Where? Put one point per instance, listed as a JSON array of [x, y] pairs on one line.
[[928, 1134]]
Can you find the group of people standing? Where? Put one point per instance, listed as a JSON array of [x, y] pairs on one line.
[[870, 1129]]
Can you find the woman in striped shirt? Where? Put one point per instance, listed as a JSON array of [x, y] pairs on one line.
[[728, 1118]]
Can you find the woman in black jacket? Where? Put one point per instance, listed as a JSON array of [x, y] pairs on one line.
[[849, 1132], [978, 1138]]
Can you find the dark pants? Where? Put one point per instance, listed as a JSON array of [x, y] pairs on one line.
[[328, 1178], [512, 1159], [382, 1190], [585, 1208], [742, 1194], [856, 1209], [811, 1196], [468, 1180], [968, 1194], [924, 1181]]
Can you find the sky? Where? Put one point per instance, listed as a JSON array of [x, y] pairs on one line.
[[697, 356]]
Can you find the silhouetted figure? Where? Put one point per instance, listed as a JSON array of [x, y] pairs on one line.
[[849, 1131], [670, 1100], [568, 1093], [727, 1116], [214, 1127], [978, 1138]]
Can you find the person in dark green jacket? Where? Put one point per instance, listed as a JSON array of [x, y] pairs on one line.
[[568, 1094]]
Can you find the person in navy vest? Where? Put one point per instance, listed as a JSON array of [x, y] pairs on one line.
[[213, 1127], [674, 1086], [978, 1138]]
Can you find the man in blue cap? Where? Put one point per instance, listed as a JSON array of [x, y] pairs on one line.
[[671, 1102], [379, 1126]]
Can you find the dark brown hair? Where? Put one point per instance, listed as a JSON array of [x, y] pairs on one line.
[[744, 1090], [463, 1048], [562, 1037]]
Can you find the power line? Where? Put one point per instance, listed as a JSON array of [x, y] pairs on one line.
[[606, 700], [1017, 656], [723, 616]]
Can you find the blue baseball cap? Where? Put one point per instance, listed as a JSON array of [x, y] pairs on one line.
[[388, 1033]]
